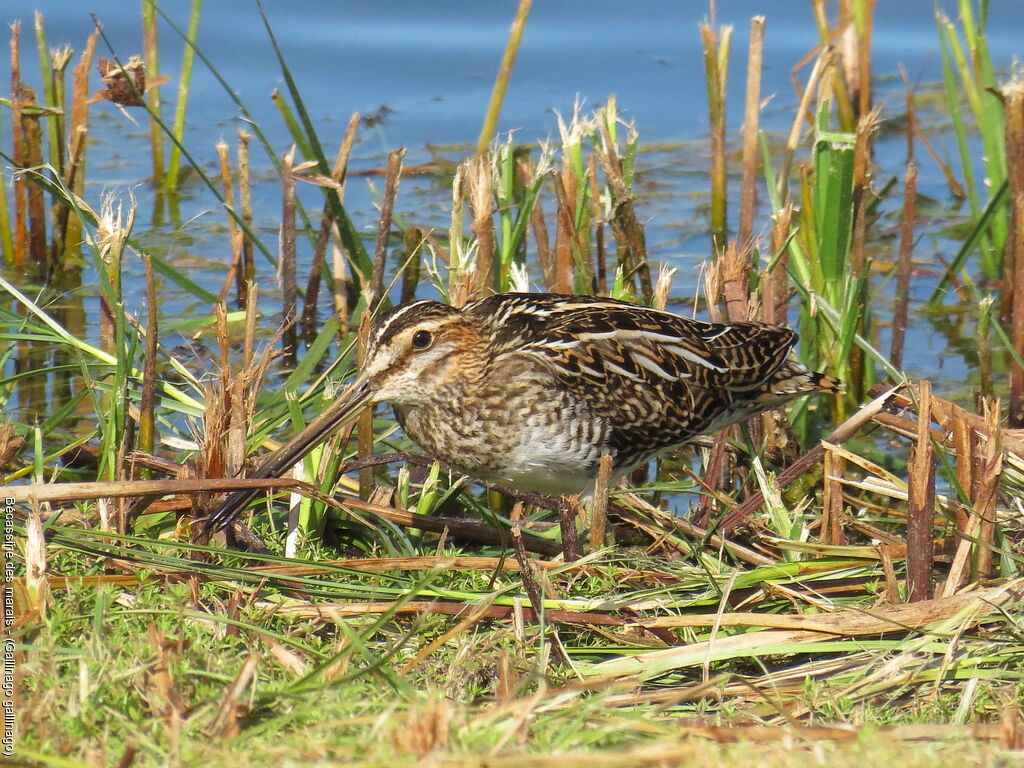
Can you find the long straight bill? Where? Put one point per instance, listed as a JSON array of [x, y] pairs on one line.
[[349, 403]]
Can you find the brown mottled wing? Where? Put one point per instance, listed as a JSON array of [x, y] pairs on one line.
[[658, 378]]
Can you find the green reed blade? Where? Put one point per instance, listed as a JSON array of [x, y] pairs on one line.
[[181, 104], [833, 207]]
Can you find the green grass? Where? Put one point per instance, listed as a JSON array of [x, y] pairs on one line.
[[147, 660]]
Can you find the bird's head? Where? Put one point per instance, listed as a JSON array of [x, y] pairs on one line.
[[419, 350]]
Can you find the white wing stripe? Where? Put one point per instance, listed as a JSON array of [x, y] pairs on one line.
[[645, 362], [692, 356]]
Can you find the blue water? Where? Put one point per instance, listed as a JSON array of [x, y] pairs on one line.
[[433, 65]]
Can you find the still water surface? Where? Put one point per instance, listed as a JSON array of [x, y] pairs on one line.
[[432, 66]]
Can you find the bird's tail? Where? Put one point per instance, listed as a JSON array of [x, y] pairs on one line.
[[822, 382]]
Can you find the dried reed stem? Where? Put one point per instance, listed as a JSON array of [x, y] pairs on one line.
[[599, 508], [1013, 264], [899, 317], [629, 233], [565, 197], [862, 154], [863, 87], [323, 235], [78, 130], [286, 255], [59, 246], [963, 438], [716, 68], [20, 183], [735, 267], [921, 503], [752, 110], [480, 181], [415, 238], [775, 290], [339, 263], [247, 274], [235, 272], [32, 157], [387, 205], [832, 505], [539, 225], [569, 534], [600, 253], [987, 489], [147, 420], [365, 421]]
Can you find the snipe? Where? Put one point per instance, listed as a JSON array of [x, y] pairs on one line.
[[529, 389]]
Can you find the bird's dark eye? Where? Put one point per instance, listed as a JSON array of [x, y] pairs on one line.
[[421, 339]]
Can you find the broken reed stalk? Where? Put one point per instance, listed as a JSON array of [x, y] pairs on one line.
[[775, 291], [596, 214], [147, 401], [599, 507], [323, 235], [234, 274], [983, 339], [899, 317], [979, 462], [1013, 280], [415, 240], [921, 502], [339, 263], [387, 206], [832, 38], [716, 68], [59, 247], [247, 273], [963, 441], [508, 60], [286, 254], [861, 376], [734, 264], [629, 232], [987, 489], [832, 503], [900, 313], [32, 157], [365, 420], [569, 535], [20, 240], [78, 131], [480, 183], [752, 111], [726, 267], [150, 53], [525, 169], [243, 388], [563, 262], [864, 24]]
